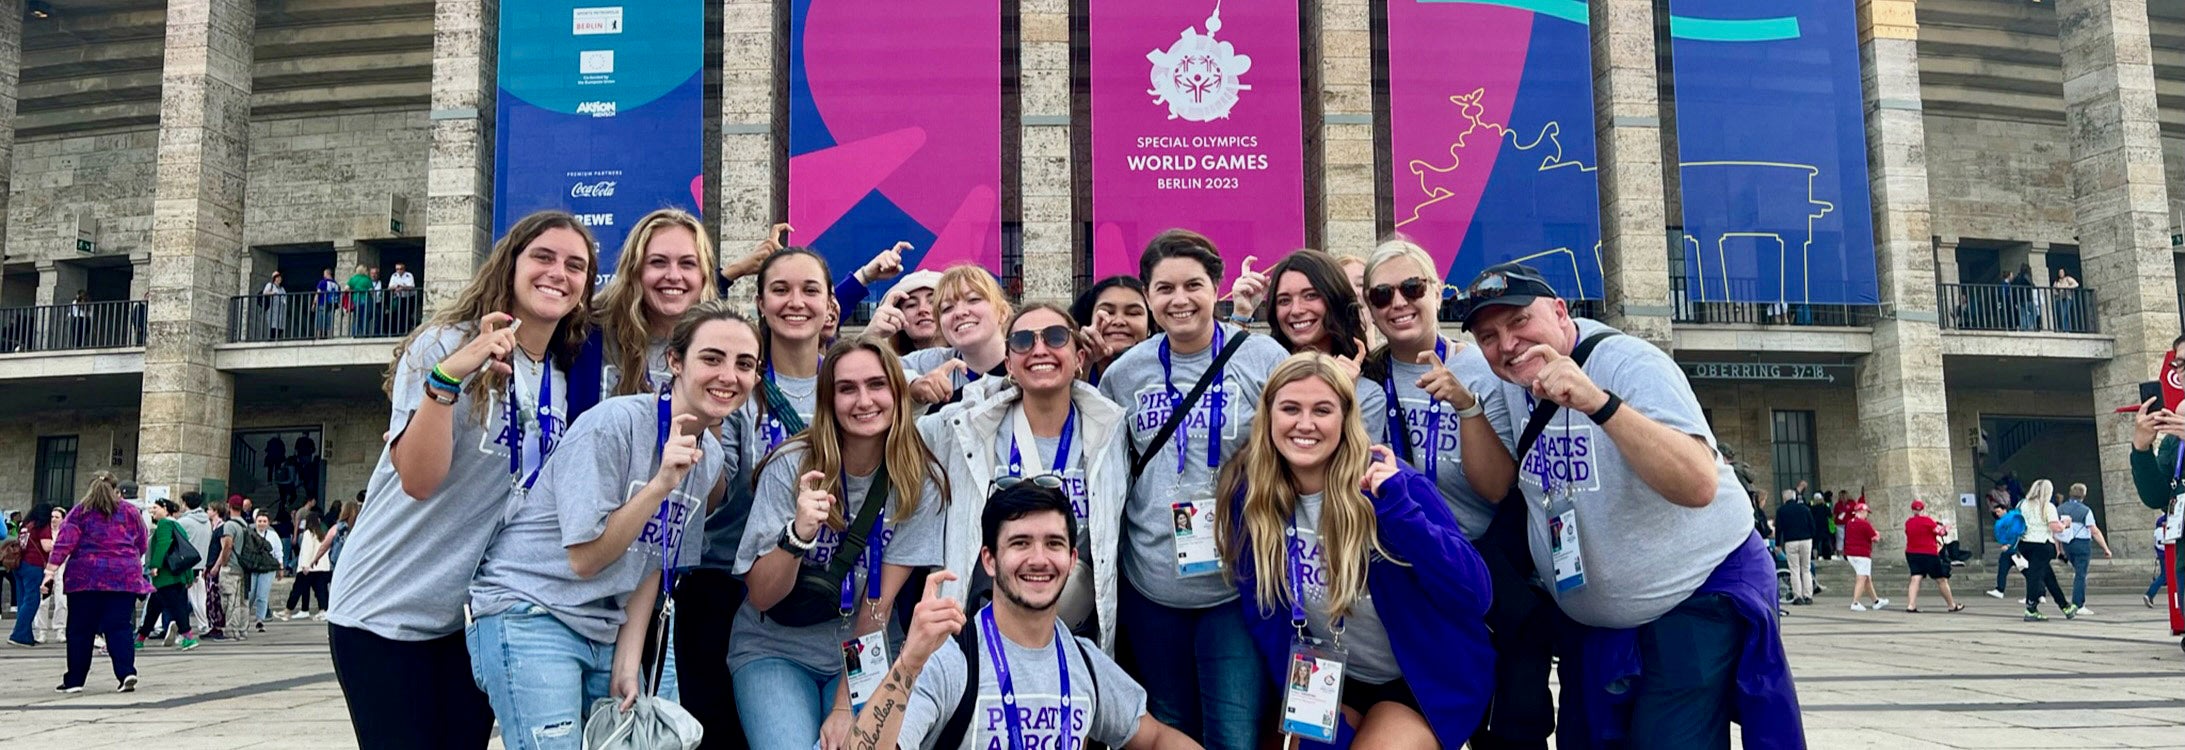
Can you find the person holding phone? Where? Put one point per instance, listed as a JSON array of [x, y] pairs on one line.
[[479, 395]]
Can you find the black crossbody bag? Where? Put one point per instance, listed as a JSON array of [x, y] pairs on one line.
[[817, 596], [1191, 400]]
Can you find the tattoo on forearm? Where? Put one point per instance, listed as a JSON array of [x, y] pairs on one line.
[[884, 706]]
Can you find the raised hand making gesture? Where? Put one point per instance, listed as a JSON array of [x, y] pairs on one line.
[[496, 338], [814, 504], [681, 452], [1442, 384], [937, 386], [1562, 381]]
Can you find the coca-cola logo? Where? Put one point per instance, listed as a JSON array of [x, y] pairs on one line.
[[600, 189]]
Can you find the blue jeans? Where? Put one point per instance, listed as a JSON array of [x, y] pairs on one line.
[[538, 675], [1200, 670], [781, 703], [27, 579], [2155, 586], [261, 594], [2081, 554]]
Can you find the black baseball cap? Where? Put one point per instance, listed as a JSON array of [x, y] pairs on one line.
[[1502, 284]]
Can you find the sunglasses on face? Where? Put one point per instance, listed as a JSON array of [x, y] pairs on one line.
[[1383, 295], [1045, 481], [1055, 337]]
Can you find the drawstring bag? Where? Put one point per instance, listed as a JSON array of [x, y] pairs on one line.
[[652, 723]]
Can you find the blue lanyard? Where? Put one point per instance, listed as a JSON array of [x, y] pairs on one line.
[[1062, 448], [1400, 432], [547, 424], [1176, 401], [775, 431], [878, 545], [1297, 580], [666, 413], [999, 655]]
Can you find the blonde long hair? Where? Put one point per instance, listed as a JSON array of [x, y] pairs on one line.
[[2037, 496], [103, 496], [910, 463], [493, 289], [621, 306], [1264, 482]]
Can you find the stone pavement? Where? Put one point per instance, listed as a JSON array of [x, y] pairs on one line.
[[1889, 680]]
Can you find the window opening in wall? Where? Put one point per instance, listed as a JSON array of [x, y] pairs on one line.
[[279, 468], [1796, 456], [56, 476]]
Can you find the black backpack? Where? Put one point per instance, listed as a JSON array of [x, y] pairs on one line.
[[959, 722], [254, 554]]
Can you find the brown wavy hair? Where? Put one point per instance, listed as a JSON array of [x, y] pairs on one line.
[[910, 463], [493, 289]]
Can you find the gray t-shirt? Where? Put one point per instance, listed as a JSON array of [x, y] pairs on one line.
[[609, 454], [1136, 382], [725, 527], [231, 530], [656, 369], [1473, 511], [405, 571], [1108, 715], [1371, 659], [1039, 458], [913, 542], [1642, 554]]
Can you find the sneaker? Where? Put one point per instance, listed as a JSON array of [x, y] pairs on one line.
[[1997, 593], [2083, 609], [2147, 600], [186, 644], [283, 617], [1818, 588], [2071, 612], [261, 626], [128, 685], [172, 636], [1857, 607], [218, 637], [140, 643], [21, 644], [320, 617], [1880, 603], [1957, 563], [2032, 616], [68, 688]]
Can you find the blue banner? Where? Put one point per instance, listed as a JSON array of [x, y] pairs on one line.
[[1771, 139], [600, 113]]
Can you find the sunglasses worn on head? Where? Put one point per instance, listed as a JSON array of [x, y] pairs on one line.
[[1048, 481], [1055, 337], [1497, 284]]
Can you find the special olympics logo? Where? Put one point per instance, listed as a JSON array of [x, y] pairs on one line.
[[1197, 77]]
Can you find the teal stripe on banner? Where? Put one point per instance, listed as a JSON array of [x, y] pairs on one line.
[[1700, 29]]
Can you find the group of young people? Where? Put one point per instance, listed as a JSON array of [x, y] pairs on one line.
[[1126, 523]]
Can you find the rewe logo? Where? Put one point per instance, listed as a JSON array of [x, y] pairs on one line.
[[597, 109], [596, 220], [600, 189], [1197, 77]]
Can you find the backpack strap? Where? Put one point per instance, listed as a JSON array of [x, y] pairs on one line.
[[959, 722], [1191, 400]]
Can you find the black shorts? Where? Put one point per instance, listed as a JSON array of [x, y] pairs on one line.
[[1362, 696], [1930, 566]]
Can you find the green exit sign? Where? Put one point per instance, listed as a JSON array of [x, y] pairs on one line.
[[86, 246], [2177, 239], [394, 226]]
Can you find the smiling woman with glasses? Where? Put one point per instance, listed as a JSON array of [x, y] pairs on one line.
[[1040, 425]]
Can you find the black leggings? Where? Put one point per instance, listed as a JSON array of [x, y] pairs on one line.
[[2039, 576], [410, 694], [705, 608], [172, 600], [309, 584]]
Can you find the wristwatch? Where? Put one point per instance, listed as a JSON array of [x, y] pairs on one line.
[[789, 540]]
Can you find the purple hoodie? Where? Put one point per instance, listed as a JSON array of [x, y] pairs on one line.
[[103, 552]]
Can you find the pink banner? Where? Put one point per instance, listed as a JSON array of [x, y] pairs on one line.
[[1195, 124]]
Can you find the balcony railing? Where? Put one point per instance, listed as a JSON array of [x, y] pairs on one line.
[[1689, 309], [2008, 307], [80, 325], [317, 316]]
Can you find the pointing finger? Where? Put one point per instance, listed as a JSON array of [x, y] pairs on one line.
[[682, 422], [1428, 358], [1246, 269], [954, 366], [813, 481], [902, 246], [1546, 354], [493, 321], [781, 230], [933, 583]]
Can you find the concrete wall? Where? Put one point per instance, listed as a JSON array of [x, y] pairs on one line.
[[1998, 179], [106, 176], [2130, 519], [1743, 420], [349, 430], [97, 431], [312, 178]]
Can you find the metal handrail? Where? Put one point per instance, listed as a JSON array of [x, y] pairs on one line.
[[322, 316], [76, 325], [2014, 307]]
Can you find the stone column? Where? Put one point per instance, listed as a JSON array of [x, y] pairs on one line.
[[459, 172], [1627, 136], [754, 144], [1946, 260], [1350, 188], [197, 227], [2122, 214], [1903, 417], [11, 68], [1043, 70], [58, 282], [140, 275]]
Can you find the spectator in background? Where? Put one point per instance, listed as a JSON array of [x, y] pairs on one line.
[[198, 524], [1841, 513], [1794, 531], [402, 288], [2077, 542], [359, 302], [261, 583], [1859, 539], [52, 619], [312, 578], [101, 544], [2009, 526], [1824, 525], [2063, 289], [273, 306], [2155, 586], [1923, 555], [224, 592], [2038, 546], [37, 540], [329, 298], [170, 587], [2024, 299], [79, 319]]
